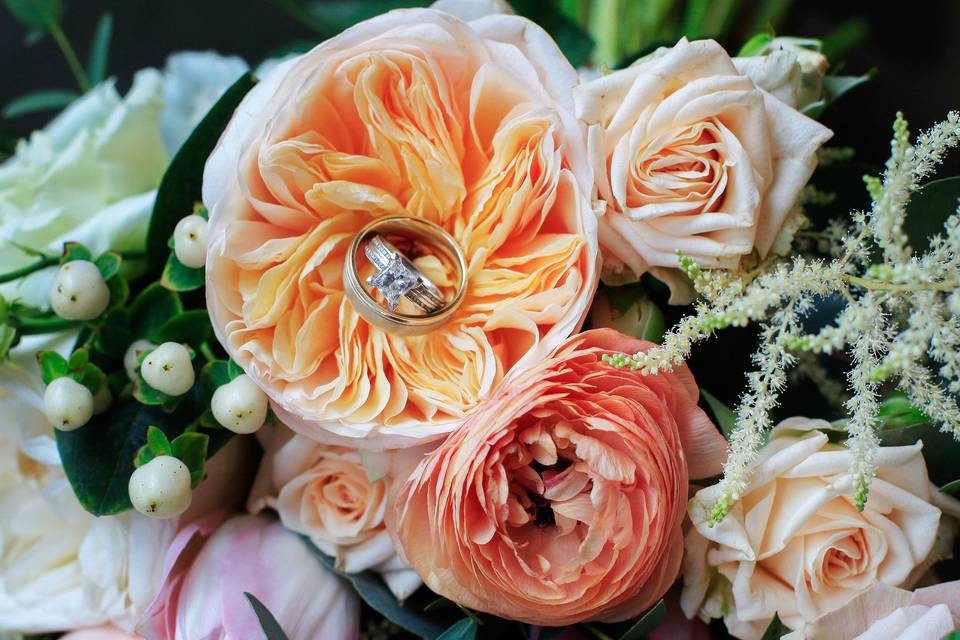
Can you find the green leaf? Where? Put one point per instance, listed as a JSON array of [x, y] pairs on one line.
[[897, 412], [157, 442], [52, 366], [775, 629], [98, 459], [191, 449], [951, 487], [647, 623], [269, 625], [465, 629], [75, 251], [144, 455], [99, 50], [953, 635], [833, 88], [929, 209], [108, 263], [372, 589], [234, 370], [755, 45], [192, 327], [330, 17], [152, 309], [724, 415], [92, 377], [36, 101], [119, 292], [115, 336], [180, 186], [38, 14], [79, 359], [213, 375], [179, 277]]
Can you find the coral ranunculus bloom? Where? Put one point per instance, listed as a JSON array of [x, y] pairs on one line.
[[414, 113], [562, 498]]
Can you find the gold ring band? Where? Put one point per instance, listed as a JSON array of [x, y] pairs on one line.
[[388, 319]]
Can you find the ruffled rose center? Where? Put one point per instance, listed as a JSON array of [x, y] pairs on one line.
[[567, 496], [681, 171]]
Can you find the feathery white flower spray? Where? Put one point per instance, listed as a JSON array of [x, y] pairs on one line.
[[900, 320]]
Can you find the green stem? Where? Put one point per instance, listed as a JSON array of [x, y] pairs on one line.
[[207, 352], [41, 263], [600, 635], [61, 39], [903, 287], [33, 326]]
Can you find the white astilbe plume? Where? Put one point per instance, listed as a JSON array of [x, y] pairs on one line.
[[900, 322]]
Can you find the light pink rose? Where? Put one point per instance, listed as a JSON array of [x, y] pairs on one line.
[[795, 546], [324, 492], [414, 113], [209, 567], [888, 613], [691, 155]]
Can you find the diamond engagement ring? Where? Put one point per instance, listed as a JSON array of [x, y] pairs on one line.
[[397, 279]]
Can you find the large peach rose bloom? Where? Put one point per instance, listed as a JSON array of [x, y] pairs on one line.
[[795, 546], [562, 498], [413, 113], [692, 155]]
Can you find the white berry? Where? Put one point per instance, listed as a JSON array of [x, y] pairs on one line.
[[161, 488], [79, 292], [168, 369], [68, 404], [190, 241], [240, 405], [131, 359]]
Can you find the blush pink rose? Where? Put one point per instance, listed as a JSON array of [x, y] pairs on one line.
[[562, 498], [211, 564], [414, 113], [691, 155]]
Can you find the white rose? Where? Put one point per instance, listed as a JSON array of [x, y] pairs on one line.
[[794, 545], [691, 155], [88, 176], [60, 567], [193, 82], [324, 492], [91, 174]]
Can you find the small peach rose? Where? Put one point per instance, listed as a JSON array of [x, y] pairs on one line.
[[324, 492], [561, 499], [794, 545], [415, 113], [692, 155]]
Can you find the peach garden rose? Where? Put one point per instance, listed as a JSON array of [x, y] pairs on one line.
[[795, 545], [692, 155], [562, 498], [413, 113]]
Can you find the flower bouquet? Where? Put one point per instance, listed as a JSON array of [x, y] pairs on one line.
[[388, 337]]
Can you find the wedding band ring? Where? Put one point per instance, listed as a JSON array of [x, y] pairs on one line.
[[396, 276]]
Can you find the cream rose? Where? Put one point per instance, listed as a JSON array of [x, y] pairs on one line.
[[413, 113], [691, 155], [324, 492], [795, 545]]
